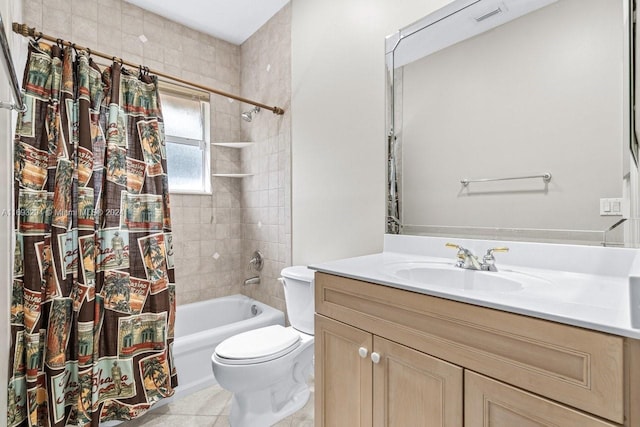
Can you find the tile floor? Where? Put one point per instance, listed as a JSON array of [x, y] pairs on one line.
[[209, 408]]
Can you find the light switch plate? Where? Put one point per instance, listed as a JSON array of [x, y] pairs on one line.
[[611, 206]]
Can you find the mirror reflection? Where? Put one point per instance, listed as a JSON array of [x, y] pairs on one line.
[[511, 120]]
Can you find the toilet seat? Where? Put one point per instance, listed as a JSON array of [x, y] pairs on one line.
[[258, 345]]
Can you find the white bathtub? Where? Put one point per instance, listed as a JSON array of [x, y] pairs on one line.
[[201, 326]]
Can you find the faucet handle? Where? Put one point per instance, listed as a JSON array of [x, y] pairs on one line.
[[489, 261], [498, 249], [460, 249], [462, 255]]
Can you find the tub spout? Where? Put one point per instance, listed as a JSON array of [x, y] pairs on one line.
[[252, 281]]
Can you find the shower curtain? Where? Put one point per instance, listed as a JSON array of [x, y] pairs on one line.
[[93, 301]]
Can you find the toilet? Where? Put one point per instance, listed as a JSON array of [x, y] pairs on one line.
[[267, 369]]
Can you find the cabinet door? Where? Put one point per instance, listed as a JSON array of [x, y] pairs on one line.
[[490, 403], [413, 389], [343, 376]]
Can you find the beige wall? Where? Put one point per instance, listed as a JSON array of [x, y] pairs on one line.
[[266, 196], [338, 135], [203, 225]]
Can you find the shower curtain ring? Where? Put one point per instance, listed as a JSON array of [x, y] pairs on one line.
[[60, 43], [88, 52]]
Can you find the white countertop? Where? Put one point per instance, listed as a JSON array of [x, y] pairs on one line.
[[590, 287]]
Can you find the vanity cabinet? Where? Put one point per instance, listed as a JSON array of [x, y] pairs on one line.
[[390, 357], [370, 381]]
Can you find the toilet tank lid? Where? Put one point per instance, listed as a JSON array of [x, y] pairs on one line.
[[299, 272]]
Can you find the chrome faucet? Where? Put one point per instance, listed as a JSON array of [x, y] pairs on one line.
[[467, 260]]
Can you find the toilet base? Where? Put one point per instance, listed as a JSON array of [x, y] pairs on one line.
[[264, 408]]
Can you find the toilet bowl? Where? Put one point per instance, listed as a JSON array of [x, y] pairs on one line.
[[268, 369]]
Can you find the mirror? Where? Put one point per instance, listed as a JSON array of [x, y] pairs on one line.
[[511, 120]]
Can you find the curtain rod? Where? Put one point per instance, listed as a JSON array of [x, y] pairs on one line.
[[26, 31]]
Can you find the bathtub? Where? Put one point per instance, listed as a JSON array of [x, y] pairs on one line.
[[201, 326]]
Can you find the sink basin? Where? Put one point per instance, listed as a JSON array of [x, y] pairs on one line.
[[449, 276]]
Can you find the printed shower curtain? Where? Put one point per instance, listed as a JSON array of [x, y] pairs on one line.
[[93, 303]]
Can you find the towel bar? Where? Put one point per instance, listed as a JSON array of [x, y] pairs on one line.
[[546, 177]]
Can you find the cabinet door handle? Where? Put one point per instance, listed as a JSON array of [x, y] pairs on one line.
[[363, 352], [375, 357]]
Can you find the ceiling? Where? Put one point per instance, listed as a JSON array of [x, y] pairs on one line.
[[231, 20]]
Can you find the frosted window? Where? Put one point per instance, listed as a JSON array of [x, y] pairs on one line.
[[185, 166], [182, 117], [186, 124]]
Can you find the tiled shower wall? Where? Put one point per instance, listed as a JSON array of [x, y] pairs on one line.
[[203, 226], [266, 196]]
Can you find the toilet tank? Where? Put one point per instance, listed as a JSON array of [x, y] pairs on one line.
[[299, 296]]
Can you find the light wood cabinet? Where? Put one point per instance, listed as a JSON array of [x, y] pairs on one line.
[[445, 363], [343, 378], [364, 380], [490, 403], [411, 388]]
